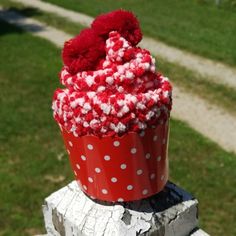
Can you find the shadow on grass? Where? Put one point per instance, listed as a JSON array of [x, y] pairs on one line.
[[17, 17]]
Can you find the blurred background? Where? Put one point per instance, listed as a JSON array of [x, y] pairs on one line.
[[33, 161]]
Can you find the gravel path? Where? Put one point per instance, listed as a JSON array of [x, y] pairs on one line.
[[215, 71], [207, 119]]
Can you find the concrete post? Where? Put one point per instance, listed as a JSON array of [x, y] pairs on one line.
[[172, 212]]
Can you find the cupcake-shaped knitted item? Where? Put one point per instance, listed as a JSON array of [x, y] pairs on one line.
[[114, 111]]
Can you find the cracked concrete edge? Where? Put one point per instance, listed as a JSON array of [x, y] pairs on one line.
[[73, 213], [199, 232], [206, 67]]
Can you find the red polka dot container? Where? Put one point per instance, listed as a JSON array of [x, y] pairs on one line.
[[116, 169]]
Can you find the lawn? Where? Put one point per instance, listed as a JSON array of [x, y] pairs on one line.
[[33, 162], [194, 25], [219, 95]]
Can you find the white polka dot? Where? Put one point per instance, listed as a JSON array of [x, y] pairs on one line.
[[145, 191], [68, 151], [107, 158], [158, 158], [152, 176], [70, 143], [148, 155], [83, 157], [154, 138], [75, 173], [97, 170], [90, 179], [142, 134], [78, 166], [133, 150], [130, 187], [85, 187], [120, 199], [116, 143], [123, 166], [104, 191], [114, 179], [90, 146], [162, 177], [139, 172]]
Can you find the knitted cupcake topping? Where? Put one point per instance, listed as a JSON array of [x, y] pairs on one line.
[[112, 86]]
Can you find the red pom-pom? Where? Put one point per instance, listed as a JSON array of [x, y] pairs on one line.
[[83, 52], [122, 21]]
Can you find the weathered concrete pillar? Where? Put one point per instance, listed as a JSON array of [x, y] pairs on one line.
[[172, 212]]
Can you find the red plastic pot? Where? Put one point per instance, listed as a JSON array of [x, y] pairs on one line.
[[126, 168]]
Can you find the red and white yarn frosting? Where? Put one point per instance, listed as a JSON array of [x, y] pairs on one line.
[[125, 93]]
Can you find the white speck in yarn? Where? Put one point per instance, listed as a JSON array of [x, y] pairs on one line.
[[139, 172], [77, 119], [87, 106], [124, 109], [93, 122], [120, 89], [83, 157], [89, 80], [113, 179], [78, 166], [68, 151], [90, 179], [130, 187], [75, 173], [83, 111], [140, 106], [105, 108], [90, 146], [80, 101], [149, 115], [120, 102], [104, 191], [123, 166], [101, 88], [116, 143], [106, 63], [120, 127], [121, 70], [145, 191], [158, 158], [107, 158], [133, 150], [85, 187], [97, 170], [109, 80], [91, 94], [129, 75], [148, 155]]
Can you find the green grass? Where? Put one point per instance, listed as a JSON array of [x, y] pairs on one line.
[[201, 28], [48, 18], [31, 145], [217, 94]]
